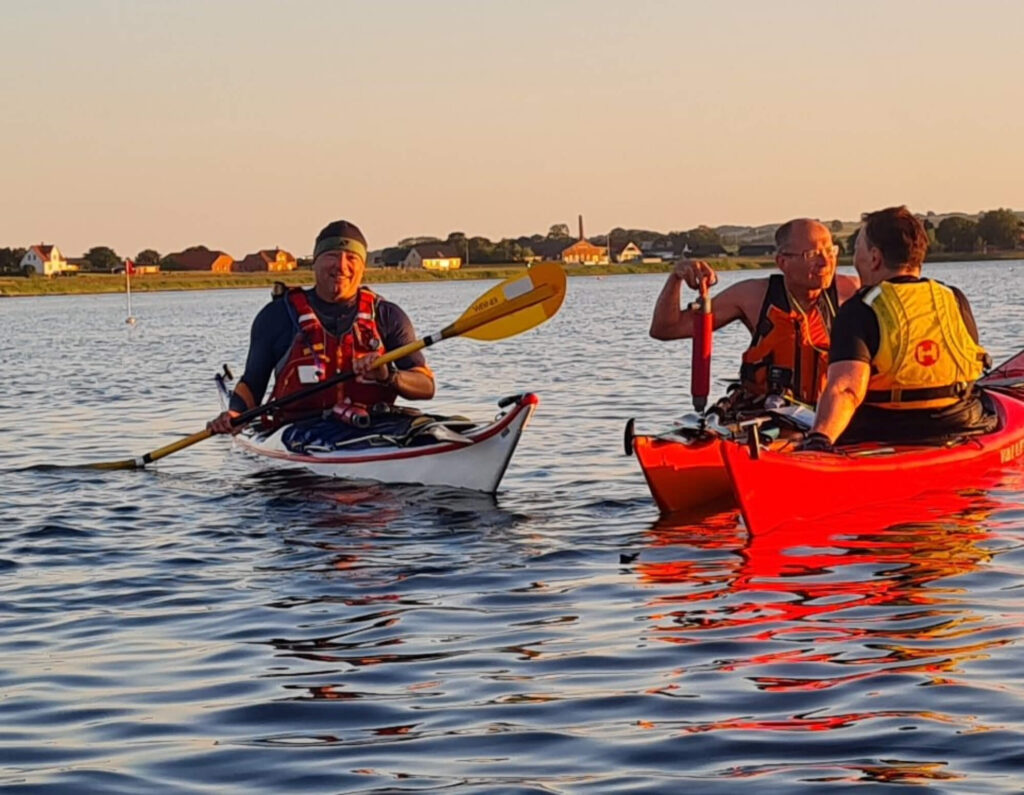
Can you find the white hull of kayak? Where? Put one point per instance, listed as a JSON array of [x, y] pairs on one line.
[[478, 466]]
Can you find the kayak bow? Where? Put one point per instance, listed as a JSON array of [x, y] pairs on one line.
[[684, 473]]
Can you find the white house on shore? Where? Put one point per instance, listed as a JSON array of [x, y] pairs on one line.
[[46, 260], [432, 256], [630, 252]]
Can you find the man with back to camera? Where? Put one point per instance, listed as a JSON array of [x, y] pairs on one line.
[[310, 334], [905, 353], [789, 315]]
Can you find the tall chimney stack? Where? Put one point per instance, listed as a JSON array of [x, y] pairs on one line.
[[581, 226]]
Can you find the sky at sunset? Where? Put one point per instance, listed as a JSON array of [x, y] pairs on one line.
[[249, 124]]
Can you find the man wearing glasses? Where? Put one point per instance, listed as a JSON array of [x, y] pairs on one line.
[[789, 314], [905, 351]]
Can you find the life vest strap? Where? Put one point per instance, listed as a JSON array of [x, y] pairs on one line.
[[777, 377], [915, 395]]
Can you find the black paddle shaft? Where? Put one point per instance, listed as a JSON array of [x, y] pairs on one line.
[[248, 416]]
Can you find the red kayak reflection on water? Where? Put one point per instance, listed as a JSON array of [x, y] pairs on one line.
[[813, 606]]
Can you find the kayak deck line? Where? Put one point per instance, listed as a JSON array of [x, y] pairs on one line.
[[394, 454], [477, 462]]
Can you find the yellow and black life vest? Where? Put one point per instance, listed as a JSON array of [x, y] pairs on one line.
[[926, 357], [789, 351]]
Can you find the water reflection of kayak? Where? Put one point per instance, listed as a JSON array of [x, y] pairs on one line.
[[813, 576], [472, 457]]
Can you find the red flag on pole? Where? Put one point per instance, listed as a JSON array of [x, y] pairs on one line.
[[129, 267]]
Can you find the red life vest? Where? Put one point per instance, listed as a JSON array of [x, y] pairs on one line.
[[316, 355], [789, 351]]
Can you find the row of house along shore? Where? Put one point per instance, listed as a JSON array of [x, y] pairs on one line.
[[578, 251], [47, 260], [570, 251]]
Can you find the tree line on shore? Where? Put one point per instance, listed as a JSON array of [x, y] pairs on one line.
[[480, 250], [1000, 229], [997, 229]]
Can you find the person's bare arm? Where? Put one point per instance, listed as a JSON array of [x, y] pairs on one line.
[[844, 392], [416, 383], [671, 322]]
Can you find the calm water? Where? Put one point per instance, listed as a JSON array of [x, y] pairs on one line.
[[207, 627]]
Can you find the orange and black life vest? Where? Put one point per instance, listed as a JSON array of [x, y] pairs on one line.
[[316, 355], [789, 351]]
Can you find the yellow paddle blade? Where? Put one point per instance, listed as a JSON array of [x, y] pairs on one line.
[[544, 282]]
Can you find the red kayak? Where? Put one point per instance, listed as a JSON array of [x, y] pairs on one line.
[[686, 470], [776, 486], [684, 473]]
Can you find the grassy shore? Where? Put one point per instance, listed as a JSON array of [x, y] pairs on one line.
[[86, 283]]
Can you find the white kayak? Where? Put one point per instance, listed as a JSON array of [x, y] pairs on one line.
[[472, 459]]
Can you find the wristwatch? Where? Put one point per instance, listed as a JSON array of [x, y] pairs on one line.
[[392, 375]]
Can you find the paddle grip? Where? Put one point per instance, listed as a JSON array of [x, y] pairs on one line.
[[700, 369]]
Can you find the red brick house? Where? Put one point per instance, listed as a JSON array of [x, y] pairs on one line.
[[272, 259]]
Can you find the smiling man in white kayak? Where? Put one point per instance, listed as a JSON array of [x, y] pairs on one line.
[[789, 315], [306, 336], [905, 353]]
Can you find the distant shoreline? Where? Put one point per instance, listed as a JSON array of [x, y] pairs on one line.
[[100, 283]]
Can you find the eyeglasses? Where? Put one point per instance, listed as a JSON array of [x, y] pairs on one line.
[[831, 252]]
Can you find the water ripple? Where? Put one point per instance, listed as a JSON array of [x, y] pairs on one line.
[[205, 626]]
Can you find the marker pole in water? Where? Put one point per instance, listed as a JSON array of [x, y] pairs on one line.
[[129, 266]]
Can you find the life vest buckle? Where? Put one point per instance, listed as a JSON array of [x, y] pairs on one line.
[[780, 376]]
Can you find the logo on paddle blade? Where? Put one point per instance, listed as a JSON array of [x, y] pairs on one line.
[[926, 353]]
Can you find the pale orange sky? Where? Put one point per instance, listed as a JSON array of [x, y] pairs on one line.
[[249, 124]]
